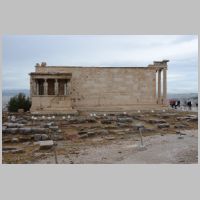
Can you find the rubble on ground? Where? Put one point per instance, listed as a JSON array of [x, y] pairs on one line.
[[21, 133]]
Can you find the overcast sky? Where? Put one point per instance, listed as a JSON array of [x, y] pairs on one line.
[[21, 53]]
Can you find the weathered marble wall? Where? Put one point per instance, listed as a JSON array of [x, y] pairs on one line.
[[105, 87]]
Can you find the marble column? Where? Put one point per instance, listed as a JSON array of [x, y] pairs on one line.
[[56, 86], [164, 85], [159, 86], [45, 87]]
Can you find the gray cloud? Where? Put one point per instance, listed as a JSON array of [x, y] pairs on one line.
[[20, 53]]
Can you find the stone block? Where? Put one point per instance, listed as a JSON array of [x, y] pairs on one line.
[[54, 128], [123, 125], [166, 125], [82, 132], [37, 130], [14, 140], [109, 138], [106, 121], [25, 130], [101, 132], [13, 125], [157, 121], [91, 120], [137, 126], [57, 137], [83, 136], [12, 150], [12, 130], [41, 137], [124, 120], [179, 126], [4, 128], [47, 144]]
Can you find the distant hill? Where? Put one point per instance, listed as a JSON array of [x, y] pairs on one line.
[[183, 96], [15, 92]]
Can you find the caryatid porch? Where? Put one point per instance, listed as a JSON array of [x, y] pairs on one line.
[[50, 92], [49, 85]]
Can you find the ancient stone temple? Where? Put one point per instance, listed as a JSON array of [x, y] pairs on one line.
[[56, 89]]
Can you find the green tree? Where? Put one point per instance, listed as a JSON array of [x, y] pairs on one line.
[[19, 102]]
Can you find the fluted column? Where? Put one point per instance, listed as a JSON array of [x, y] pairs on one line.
[[164, 86], [56, 86], [159, 86], [155, 87], [45, 87]]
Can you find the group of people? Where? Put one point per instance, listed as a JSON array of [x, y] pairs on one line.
[[176, 103]]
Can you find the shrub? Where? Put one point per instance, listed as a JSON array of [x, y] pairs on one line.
[[19, 102]]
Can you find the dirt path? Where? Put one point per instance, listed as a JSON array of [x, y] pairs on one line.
[[158, 149]]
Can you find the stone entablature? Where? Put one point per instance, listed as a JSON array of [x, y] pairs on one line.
[[84, 88]]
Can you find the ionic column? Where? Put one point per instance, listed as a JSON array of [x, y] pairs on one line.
[[164, 85], [159, 86], [154, 86], [45, 87], [56, 86]]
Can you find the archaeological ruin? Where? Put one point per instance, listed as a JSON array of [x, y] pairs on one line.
[[100, 115], [55, 89]]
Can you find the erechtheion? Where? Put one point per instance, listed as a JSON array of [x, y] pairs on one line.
[[56, 89]]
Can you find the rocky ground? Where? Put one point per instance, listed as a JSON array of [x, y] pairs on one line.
[[169, 136], [157, 149]]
